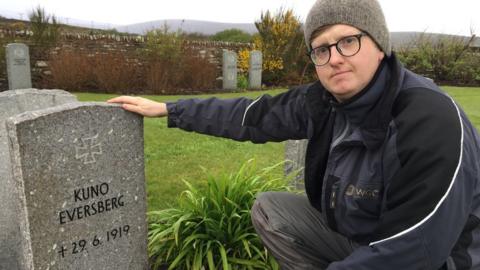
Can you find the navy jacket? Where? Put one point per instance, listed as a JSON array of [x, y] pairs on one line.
[[396, 168]]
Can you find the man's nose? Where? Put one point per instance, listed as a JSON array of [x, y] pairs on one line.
[[335, 56]]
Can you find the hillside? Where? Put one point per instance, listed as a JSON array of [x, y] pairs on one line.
[[189, 26]]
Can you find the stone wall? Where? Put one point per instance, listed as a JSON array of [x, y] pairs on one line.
[[97, 44]]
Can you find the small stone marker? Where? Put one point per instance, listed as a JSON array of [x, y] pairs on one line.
[[255, 70], [229, 70], [14, 102], [18, 66], [295, 154], [79, 172]]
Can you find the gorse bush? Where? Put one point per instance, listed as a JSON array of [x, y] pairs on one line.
[[45, 27], [280, 38], [211, 227], [243, 61]]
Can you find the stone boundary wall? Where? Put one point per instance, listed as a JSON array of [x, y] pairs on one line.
[[93, 44]]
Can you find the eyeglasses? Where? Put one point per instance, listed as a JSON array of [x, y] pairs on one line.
[[346, 46]]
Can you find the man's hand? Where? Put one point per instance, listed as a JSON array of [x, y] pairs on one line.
[[142, 106]]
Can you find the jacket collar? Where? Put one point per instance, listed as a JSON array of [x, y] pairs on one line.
[[371, 108], [358, 107]]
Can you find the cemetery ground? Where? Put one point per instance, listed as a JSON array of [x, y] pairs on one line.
[[172, 155]]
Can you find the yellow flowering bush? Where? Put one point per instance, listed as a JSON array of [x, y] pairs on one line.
[[243, 58], [280, 38]]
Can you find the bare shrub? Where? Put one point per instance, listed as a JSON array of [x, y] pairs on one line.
[[189, 73], [198, 72], [158, 77], [70, 71], [108, 72], [173, 67], [114, 73]]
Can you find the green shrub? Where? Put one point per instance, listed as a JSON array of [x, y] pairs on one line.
[[445, 59], [242, 81], [211, 227]]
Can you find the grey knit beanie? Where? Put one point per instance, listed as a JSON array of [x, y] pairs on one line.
[[365, 15]]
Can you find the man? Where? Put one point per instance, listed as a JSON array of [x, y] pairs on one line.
[[392, 166]]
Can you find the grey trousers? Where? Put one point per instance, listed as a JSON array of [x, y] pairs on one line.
[[295, 233]]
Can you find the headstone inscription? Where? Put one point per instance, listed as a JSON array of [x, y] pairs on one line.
[[79, 172], [255, 70], [14, 102], [18, 66], [229, 70], [295, 151]]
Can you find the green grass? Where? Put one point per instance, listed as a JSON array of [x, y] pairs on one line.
[[172, 155], [469, 100]]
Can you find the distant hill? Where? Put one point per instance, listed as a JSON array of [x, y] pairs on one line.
[[399, 39], [189, 26], [402, 39]]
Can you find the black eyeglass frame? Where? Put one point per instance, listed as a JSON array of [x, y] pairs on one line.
[[357, 36]]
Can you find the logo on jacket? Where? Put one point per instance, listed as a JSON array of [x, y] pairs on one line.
[[361, 192]]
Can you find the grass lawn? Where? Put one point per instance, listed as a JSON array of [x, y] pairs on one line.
[[469, 100], [172, 155]]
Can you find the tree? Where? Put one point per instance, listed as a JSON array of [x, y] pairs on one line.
[[233, 35]]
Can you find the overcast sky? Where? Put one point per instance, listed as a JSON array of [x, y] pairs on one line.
[[439, 16]]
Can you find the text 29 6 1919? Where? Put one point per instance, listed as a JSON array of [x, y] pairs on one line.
[[95, 241]]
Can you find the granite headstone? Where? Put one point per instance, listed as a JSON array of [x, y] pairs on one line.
[[255, 70], [18, 66], [14, 102], [229, 70], [79, 173]]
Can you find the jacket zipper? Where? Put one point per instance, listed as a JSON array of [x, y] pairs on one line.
[[333, 196], [331, 200]]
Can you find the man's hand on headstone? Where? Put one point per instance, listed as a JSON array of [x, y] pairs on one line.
[[142, 106]]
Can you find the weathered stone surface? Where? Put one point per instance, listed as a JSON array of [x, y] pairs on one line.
[[229, 70], [18, 66], [255, 70], [12, 103], [79, 172], [295, 155]]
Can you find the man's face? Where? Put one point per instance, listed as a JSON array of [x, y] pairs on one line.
[[345, 76]]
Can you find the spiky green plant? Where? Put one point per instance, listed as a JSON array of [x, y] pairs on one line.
[[211, 228]]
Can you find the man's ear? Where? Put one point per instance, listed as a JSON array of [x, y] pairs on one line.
[[381, 55]]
